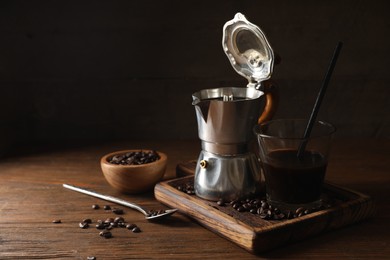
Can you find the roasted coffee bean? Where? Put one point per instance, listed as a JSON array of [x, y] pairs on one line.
[[100, 226], [109, 227], [83, 225], [221, 202], [131, 226], [87, 220], [299, 210], [247, 206], [95, 206], [91, 258], [105, 234], [119, 219], [264, 205], [56, 221], [117, 211], [263, 215], [240, 209], [136, 230], [107, 207], [122, 224], [113, 224], [109, 220]]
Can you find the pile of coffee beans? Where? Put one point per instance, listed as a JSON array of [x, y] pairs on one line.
[[134, 158], [109, 224], [257, 206], [152, 212], [187, 187], [265, 210]]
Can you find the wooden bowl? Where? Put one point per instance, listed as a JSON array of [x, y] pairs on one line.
[[133, 178]]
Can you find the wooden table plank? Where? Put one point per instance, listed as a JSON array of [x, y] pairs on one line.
[[31, 196]]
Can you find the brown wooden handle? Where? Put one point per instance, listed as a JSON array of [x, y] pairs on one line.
[[272, 98]]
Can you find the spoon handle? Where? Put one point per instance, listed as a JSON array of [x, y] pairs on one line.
[[106, 197]]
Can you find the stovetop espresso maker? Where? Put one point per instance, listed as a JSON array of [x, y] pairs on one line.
[[227, 168]]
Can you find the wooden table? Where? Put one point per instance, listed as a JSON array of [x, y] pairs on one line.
[[32, 196]]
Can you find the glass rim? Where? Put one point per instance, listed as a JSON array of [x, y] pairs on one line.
[[331, 127]]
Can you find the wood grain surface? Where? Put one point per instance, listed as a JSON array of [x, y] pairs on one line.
[[32, 196]]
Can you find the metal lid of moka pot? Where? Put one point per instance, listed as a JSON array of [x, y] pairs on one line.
[[248, 50]]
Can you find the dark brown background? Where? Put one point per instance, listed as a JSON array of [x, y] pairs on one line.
[[116, 70]]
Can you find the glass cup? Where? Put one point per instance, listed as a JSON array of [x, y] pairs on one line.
[[293, 180]]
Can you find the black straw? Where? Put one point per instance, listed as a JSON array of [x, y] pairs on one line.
[[320, 97]]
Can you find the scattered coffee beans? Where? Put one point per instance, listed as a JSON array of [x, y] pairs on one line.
[[134, 158], [257, 206]]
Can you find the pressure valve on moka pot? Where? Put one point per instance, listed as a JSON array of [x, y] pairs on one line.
[[227, 168]]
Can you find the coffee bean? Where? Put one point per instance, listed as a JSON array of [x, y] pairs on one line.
[[95, 206], [109, 220], [299, 210], [119, 219], [91, 258], [113, 224], [109, 227], [122, 224], [221, 202], [83, 225], [117, 211], [263, 215], [106, 207], [56, 221], [240, 209], [87, 220], [264, 205], [100, 226], [131, 226], [105, 234], [136, 230]]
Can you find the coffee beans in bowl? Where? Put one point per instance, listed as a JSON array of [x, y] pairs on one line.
[[134, 171]]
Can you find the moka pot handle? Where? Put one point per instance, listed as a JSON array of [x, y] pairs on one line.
[[271, 101]]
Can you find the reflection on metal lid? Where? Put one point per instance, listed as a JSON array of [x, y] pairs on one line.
[[248, 49]]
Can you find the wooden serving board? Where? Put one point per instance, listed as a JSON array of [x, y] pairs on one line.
[[257, 235]]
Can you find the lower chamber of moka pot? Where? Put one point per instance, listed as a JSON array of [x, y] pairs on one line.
[[227, 177]]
